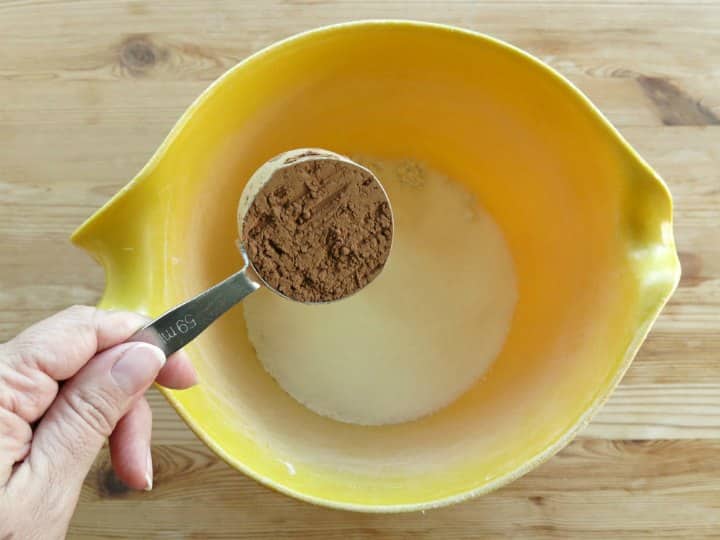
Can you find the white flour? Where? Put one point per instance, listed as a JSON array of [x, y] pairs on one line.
[[416, 338]]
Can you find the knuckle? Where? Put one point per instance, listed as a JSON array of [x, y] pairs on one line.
[[24, 390], [79, 311], [23, 350], [30, 349], [94, 409], [12, 427], [124, 322], [82, 317], [68, 334]]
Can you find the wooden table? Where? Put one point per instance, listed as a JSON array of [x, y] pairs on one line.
[[88, 89]]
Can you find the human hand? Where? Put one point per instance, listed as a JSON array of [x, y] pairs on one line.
[[66, 385]]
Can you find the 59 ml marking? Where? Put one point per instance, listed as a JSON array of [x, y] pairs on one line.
[[179, 327]]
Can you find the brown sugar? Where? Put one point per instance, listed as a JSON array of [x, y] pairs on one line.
[[319, 230]]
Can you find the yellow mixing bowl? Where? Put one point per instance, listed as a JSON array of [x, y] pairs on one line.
[[587, 221]]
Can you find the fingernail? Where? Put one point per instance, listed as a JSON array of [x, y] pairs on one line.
[[137, 367], [149, 472]]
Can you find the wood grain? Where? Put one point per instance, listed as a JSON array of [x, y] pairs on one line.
[[592, 489], [88, 89]]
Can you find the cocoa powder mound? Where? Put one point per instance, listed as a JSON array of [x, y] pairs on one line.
[[319, 230]]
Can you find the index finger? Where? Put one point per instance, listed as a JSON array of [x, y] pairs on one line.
[[63, 343]]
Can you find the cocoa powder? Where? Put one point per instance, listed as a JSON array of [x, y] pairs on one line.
[[319, 230]]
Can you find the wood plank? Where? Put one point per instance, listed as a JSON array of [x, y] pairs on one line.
[[659, 411], [592, 489], [86, 103], [663, 38]]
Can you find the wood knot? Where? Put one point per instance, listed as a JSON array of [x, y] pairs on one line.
[[138, 54], [110, 486], [628, 445], [675, 106]]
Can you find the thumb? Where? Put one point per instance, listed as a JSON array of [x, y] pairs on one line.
[[88, 407]]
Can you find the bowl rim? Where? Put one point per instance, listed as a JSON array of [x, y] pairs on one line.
[[561, 440]]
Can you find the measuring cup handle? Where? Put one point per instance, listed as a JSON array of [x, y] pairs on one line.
[[179, 326]]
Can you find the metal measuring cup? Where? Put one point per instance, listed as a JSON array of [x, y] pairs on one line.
[[183, 323]]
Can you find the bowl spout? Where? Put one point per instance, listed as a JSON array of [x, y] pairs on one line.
[[119, 236], [648, 229]]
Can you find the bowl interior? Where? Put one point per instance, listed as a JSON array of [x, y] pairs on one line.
[[587, 224]]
